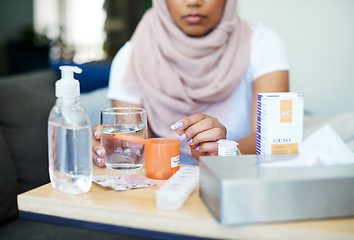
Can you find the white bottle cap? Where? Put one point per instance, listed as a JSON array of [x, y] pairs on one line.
[[67, 86]]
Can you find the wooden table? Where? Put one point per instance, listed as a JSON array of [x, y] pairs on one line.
[[136, 209]]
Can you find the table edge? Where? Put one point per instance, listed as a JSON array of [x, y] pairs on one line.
[[104, 227]]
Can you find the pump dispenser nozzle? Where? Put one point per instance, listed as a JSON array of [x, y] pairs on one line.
[[68, 86]]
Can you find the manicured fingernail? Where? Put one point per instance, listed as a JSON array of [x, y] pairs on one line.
[[173, 127], [99, 160], [183, 137], [99, 152], [190, 141], [179, 125], [197, 148], [95, 133]]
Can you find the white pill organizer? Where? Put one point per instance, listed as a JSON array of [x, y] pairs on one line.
[[279, 122], [177, 188]]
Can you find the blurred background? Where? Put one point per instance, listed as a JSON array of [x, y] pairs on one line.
[[71, 30], [318, 34], [42, 34], [319, 37]]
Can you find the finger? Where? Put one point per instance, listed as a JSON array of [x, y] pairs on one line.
[[208, 147], [196, 154], [98, 161], [210, 135], [205, 125], [213, 154], [97, 131], [185, 123], [96, 144], [98, 153]]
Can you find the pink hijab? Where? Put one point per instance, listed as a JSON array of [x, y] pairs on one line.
[[177, 75]]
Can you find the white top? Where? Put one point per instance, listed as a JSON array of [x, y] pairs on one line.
[[267, 55]]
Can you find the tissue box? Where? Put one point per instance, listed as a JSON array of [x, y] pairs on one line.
[[237, 190]]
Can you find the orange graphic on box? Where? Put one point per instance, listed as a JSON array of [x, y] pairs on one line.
[[287, 148], [286, 111]]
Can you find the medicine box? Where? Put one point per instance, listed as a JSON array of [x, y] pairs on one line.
[[238, 190], [279, 123]]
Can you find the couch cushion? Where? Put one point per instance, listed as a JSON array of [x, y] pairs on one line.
[[8, 182], [25, 103]]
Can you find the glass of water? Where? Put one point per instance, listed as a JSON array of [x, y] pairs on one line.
[[122, 154]]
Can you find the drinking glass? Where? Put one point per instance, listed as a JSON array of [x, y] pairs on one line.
[[122, 154]]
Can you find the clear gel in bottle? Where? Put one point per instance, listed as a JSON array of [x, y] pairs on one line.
[[69, 137]]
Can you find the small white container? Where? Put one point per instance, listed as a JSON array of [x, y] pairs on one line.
[[228, 148]]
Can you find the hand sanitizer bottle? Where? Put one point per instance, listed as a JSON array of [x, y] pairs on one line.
[[69, 137]]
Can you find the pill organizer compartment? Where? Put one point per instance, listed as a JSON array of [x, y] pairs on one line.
[[177, 189]]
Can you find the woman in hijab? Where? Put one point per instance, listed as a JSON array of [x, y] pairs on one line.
[[197, 65]]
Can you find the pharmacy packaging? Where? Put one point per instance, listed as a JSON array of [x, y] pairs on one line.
[[279, 123]]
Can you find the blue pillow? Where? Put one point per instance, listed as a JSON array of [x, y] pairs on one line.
[[94, 74]]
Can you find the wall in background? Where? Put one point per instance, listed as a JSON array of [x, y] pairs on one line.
[[21, 50], [319, 36], [14, 16]]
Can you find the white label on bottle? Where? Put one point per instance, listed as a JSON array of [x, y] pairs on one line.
[[174, 161], [227, 152]]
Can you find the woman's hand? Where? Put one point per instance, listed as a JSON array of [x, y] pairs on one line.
[[202, 133], [98, 151]]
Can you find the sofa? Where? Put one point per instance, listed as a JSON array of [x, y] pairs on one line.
[[25, 103]]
